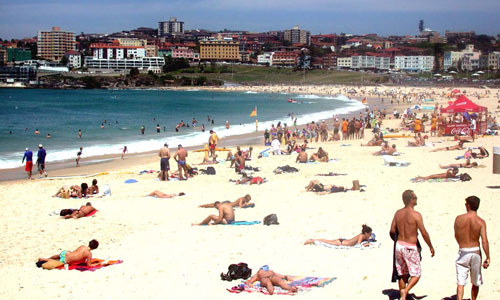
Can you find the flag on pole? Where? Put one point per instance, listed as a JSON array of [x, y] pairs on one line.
[[254, 112]]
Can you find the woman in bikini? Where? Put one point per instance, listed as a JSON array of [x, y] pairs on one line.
[[364, 236], [269, 279]]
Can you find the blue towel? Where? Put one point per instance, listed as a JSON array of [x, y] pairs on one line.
[[245, 223], [130, 181]]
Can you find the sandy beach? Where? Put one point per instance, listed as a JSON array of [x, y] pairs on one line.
[[165, 257]]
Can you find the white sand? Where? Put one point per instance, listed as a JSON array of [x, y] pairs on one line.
[[166, 258]]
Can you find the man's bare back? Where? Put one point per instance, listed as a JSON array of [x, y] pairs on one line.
[[468, 229], [181, 154], [227, 211], [164, 152], [81, 254], [406, 223]]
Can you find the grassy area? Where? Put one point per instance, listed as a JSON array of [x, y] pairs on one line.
[[273, 75]]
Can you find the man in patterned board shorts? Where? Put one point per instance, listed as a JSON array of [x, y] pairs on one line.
[[407, 222], [469, 227]]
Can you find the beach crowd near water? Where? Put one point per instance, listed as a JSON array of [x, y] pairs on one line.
[[347, 201]]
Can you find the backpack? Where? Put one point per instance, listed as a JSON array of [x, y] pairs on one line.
[[210, 171], [237, 271], [465, 177], [271, 219]]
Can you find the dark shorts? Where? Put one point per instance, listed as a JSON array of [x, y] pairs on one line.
[[40, 166], [164, 164]]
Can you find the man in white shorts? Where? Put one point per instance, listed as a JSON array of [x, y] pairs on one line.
[[468, 228]]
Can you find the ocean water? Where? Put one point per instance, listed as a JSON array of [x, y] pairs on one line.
[[63, 112]]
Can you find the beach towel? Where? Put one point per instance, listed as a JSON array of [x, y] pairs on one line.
[[239, 223], [131, 181], [303, 284], [345, 145], [392, 162], [436, 180], [91, 214], [100, 264], [331, 174], [363, 245]]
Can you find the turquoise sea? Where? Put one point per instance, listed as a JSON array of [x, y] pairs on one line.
[[63, 112]]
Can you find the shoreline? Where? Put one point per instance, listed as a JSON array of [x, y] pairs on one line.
[[104, 163]]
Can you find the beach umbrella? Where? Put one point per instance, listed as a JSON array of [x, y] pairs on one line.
[[480, 72], [437, 75], [475, 74], [453, 72]]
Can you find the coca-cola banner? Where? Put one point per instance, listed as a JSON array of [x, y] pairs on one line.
[[460, 129]]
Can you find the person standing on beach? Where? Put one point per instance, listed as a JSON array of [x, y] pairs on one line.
[[78, 156], [164, 162], [180, 157], [40, 160], [28, 155], [469, 227], [124, 150], [212, 142], [404, 230]]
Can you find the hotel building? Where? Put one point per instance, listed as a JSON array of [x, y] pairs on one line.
[[52, 45], [222, 50]]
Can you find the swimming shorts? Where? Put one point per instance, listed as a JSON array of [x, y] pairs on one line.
[[62, 257], [229, 222], [40, 166], [212, 146], [29, 166], [407, 260], [164, 164], [181, 162], [469, 260], [336, 189]]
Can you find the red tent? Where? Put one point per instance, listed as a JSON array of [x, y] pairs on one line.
[[463, 104]]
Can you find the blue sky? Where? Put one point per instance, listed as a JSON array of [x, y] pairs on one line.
[[20, 18]]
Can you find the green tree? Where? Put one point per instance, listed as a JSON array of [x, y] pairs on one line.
[[134, 72]]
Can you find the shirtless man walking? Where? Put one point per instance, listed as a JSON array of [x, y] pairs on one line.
[[164, 162], [404, 229], [81, 255], [226, 215], [180, 158], [468, 228]]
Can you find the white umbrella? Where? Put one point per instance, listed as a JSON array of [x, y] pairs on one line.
[[437, 75], [480, 72], [475, 74], [453, 72]]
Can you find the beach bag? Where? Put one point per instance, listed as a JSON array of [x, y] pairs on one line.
[[271, 219], [210, 171], [465, 177], [237, 271]]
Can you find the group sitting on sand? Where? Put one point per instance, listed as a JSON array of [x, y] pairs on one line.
[[76, 191], [419, 141], [377, 140], [386, 149], [226, 215], [83, 211], [364, 236]]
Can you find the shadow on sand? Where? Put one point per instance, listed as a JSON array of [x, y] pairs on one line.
[[394, 294]]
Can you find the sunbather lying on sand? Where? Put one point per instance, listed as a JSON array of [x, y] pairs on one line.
[[467, 139], [467, 164], [318, 187], [365, 234], [159, 194], [451, 173], [77, 213], [81, 255], [269, 279], [240, 202], [386, 149], [483, 153], [460, 146], [249, 179], [375, 141], [226, 215], [321, 156]]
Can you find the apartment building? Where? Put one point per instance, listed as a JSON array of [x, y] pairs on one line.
[[414, 63], [53, 44], [74, 59], [142, 63], [116, 51], [379, 62], [344, 62], [170, 27], [285, 58], [493, 60], [454, 59], [132, 42], [221, 50], [18, 54], [297, 36], [183, 52], [329, 61], [265, 58]]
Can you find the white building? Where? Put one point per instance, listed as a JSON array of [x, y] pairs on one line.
[[266, 58], [142, 63], [74, 59], [414, 63], [454, 59], [344, 62], [170, 27], [116, 51], [370, 62]]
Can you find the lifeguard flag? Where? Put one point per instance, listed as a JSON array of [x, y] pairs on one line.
[[254, 112], [363, 101]]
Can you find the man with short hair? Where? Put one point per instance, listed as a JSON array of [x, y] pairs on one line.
[[226, 215], [404, 230], [180, 158], [212, 142], [28, 155], [40, 160], [469, 227], [164, 162], [81, 255]]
